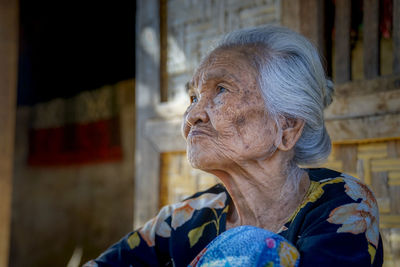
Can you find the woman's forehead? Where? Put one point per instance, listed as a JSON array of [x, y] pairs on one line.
[[230, 64]]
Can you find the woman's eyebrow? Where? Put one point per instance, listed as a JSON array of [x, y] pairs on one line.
[[221, 75], [189, 88]]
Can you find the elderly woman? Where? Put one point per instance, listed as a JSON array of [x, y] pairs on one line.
[[256, 115]]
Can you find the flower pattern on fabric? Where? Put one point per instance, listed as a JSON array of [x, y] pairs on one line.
[[315, 191], [181, 212], [133, 240], [360, 217], [288, 254], [91, 263], [157, 225], [372, 252], [270, 242], [195, 234], [184, 212]]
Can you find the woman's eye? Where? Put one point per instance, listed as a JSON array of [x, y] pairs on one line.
[[193, 99], [220, 89]]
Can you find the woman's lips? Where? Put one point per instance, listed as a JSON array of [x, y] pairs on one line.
[[195, 132]]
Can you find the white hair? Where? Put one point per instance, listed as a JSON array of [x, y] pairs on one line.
[[292, 81]]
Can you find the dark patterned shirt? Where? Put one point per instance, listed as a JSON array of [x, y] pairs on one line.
[[336, 225]]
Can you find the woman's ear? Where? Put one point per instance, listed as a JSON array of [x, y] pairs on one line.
[[291, 131]]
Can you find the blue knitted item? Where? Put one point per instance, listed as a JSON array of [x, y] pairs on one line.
[[247, 246]]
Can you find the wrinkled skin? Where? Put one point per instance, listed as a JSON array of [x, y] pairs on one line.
[[229, 133], [228, 116]]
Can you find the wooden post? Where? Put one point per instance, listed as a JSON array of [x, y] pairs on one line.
[[371, 54], [8, 89], [147, 157], [312, 23], [396, 36], [163, 51], [308, 18], [290, 13], [342, 41]]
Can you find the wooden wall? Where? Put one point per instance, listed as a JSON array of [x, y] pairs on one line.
[[8, 89]]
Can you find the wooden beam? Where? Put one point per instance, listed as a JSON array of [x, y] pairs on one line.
[[8, 89], [290, 14], [365, 87], [362, 129], [312, 23], [378, 103], [342, 41], [396, 36], [371, 51]]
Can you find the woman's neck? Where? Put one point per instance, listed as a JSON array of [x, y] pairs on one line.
[[264, 193]]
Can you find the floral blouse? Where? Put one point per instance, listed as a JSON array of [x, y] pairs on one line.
[[336, 225]]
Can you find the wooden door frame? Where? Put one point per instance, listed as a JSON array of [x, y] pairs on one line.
[[157, 123], [9, 28]]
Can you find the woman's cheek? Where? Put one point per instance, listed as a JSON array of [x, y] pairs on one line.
[[184, 125], [184, 129], [218, 101]]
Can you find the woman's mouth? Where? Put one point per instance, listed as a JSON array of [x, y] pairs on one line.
[[195, 133]]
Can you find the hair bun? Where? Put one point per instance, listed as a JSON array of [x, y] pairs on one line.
[[329, 91]]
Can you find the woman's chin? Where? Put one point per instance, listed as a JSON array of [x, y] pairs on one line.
[[197, 163], [201, 161]]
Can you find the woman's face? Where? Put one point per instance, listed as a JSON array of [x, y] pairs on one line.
[[227, 121]]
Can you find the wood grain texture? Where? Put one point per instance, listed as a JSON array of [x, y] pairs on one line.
[[370, 128], [147, 158], [364, 87], [290, 12], [371, 51], [380, 184], [306, 17], [342, 41], [373, 104], [8, 90], [348, 155], [395, 205], [312, 23], [396, 36], [163, 51]]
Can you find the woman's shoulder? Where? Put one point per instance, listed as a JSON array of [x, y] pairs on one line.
[[331, 189], [331, 185], [321, 174], [339, 202], [339, 210]]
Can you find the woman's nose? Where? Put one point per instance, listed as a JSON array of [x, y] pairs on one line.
[[198, 113]]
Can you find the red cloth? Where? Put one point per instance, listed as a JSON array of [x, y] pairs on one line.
[[76, 144]]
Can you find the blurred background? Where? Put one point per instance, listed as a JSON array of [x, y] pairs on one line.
[[92, 94]]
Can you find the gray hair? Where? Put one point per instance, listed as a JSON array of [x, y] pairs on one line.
[[292, 81]]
